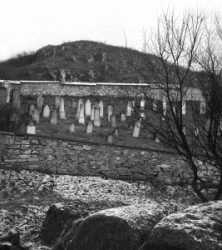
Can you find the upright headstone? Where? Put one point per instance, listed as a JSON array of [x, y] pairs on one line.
[[88, 107], [57, 102], [109, 138], [109, 111], [62, 114], [72, 128], [40, 102], [122, 116], [101, 111], [129, 108], [92, 113], [16, 98], [31, 129], [74, 103], [31, 109], [89, 128], [116, 132], [80, 102], [97, 121], [136, 130], [184, 108], [142, 104], [164, 106], [35, 116], [54, 117], [113, 121], [81, 118], [46, 111]]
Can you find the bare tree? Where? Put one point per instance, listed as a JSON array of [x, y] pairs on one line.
[[186, 70]]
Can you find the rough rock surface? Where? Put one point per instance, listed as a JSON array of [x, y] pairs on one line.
[[116, 228], [198, 227]]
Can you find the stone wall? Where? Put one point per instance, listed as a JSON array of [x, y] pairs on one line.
[[89, 159]]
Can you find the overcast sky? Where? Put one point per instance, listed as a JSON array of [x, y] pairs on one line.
[[27, 25]]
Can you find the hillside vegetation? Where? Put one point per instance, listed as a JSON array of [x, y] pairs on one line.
[[77, 61]]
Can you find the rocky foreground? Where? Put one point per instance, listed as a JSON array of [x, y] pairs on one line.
[[26, 196]]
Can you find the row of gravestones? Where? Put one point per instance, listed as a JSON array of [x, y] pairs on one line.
[[95, 112]]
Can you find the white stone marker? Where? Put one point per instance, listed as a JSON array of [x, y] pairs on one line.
[[81, 118], [40, 102], [72, 128], [113, 121], [97, 121], [116, 132], [92, 113], [35, 116], [31, 129], [54, 117], [46, 111], [109, 111], [101, 112], [31, 109], [109, 138], [80, 102], [142, 104], [122, 116], [88, 107], [184, 108], [57, 102], [136, 130], [129, 108], [164, 106], [62, 114], [89, 128]]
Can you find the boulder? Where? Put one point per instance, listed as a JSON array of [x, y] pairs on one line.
[[198, 227], [11, 241], [57, 218], [118, 228]]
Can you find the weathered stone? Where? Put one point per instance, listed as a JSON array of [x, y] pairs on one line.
[[198, 227], [48, 151], [116, 228]]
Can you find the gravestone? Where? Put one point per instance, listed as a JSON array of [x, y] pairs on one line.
[[101, 112], [129, 108], [62, 114], [136, 130], [113, 121], [31, 129], [16, 98], [116, 132], [74, 104], [35, 116], [92, 113], [88, 107], [89, 128], [54, 117], [72, 128], [109, 111], [109, 138], [184, 108], [142, 104], [80, 102], [46, 111], [31, 109], [81, 118], [40, 102], [122, 116], [97, 121], [57, 102], [164, 106]]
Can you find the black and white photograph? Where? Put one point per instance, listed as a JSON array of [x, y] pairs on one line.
[[110, 125]]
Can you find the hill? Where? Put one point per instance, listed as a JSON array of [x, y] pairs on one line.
[[77, 61]]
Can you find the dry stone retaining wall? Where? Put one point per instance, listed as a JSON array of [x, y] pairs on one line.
[[57, 156]]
